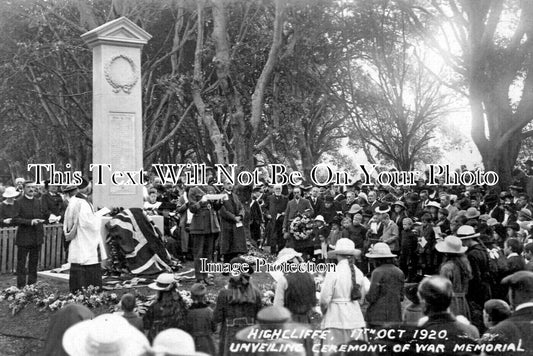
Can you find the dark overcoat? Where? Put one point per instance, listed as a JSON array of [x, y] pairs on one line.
[[205, 218], [26, 210], [232, 238], [385, 295]]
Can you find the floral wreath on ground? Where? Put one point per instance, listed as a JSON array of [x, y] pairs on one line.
[[44, 297], [301, 227]]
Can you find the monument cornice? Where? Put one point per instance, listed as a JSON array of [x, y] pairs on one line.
[[119, 32]]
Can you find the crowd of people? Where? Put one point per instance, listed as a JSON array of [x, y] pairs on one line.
[[461, 256]]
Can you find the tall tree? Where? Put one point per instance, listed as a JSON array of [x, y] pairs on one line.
[[488, 43]]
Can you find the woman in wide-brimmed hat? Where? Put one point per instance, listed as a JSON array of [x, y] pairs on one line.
[[199, 321], [457, 269], [107, 334], [168, 310], [295, 291], [7, 207], [386, 288], [342, 293], [237, 304], [398, 214], [175, 342]]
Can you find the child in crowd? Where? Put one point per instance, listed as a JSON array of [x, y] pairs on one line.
[[168, 310], [127, 304], [199, 321], [495, 311]]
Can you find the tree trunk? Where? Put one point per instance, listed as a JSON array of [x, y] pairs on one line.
[[205, 117]]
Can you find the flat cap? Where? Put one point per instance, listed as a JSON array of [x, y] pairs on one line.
[[521, 280]]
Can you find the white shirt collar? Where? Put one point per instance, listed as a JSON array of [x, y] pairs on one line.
[[512, 254]]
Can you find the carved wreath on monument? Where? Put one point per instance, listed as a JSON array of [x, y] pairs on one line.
[[121, 73]]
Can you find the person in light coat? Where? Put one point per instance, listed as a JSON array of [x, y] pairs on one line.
[[339, 304], [86, 249]]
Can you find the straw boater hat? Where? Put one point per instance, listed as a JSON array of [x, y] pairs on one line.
[[175, 342], [472, 213], [355, 209], [164, 281], [466, 232], [380, 250], [451, 244], [433, 204], [11, 192], [287, 254], [344, 247], [107, 334], [382, 209]]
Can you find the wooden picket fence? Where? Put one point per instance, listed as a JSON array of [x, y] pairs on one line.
[[52, 252]]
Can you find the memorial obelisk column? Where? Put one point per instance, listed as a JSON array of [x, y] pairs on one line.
[[117, 110]]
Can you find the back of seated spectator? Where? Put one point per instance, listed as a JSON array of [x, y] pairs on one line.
[[495, 311]]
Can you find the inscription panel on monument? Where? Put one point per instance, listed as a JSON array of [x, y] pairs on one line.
[[122, 148]]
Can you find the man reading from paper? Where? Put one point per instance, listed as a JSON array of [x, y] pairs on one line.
[[86, 249]]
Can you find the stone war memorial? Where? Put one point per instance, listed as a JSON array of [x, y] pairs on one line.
[[117, 109]]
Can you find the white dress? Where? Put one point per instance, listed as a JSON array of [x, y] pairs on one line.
[[341, 312]]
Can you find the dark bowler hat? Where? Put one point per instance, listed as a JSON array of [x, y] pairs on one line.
[[521, 280]]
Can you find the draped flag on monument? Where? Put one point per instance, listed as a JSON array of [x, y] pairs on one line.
[[138, 239]]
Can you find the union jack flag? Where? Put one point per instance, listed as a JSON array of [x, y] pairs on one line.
[[139, 242]]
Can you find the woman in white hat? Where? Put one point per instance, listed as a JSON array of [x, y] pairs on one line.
[[457, 269], [168, 310], [342, 293], [175, 342], [107, 334], [295, 291], [7, 207], [386, 288]]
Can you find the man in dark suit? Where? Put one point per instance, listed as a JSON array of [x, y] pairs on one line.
[[275, 207], [256, 215], [204, 228], [436, 294], [29, 217], [232, 236], [317, 203], [347, 203], [297, 205], [513, 252], [518, 328]]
